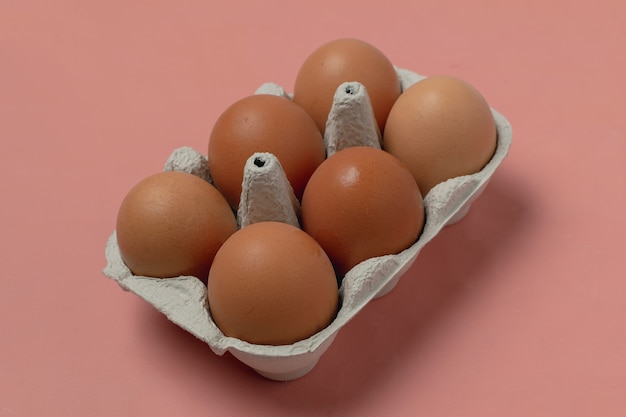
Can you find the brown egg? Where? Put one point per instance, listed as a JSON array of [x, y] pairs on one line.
[[346, 60], [441, 128], [263, 123], [272, 284], [172, 224], [361, 203]]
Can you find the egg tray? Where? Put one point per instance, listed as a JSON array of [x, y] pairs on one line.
[[183, 299]]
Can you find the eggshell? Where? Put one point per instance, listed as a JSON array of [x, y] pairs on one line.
[[345, 60], [362, 202], [263, 123], [172, 223], [441, 127], [284, 289], [183, 300]]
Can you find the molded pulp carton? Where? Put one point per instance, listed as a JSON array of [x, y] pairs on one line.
[[268, 196]]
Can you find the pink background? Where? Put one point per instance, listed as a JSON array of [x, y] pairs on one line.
[[518, 310]]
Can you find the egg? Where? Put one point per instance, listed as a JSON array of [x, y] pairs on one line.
[[172, 224], [441, 127], [272, 284], [360, 203], [346, 60], [263, 123]]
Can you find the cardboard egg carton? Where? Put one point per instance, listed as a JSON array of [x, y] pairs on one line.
[[267, 195]]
